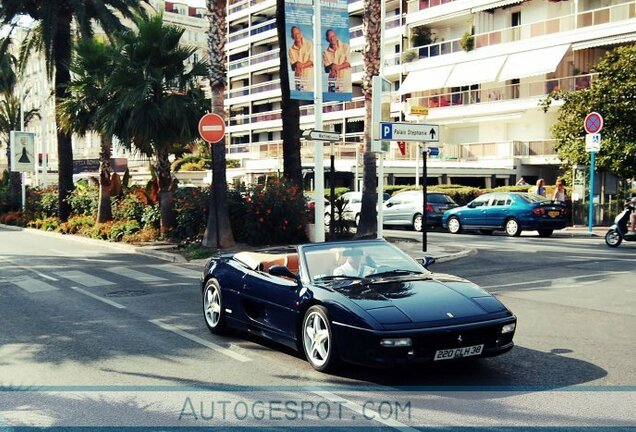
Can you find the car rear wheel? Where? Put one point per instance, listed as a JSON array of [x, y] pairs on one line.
[[317, 339], [454, 225], [417, 222], [513, 229], [357, 220], [213, 307], [545, 232], [612, 238]]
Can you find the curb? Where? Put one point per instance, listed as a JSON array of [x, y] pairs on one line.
[[154, 253], [456, 255]]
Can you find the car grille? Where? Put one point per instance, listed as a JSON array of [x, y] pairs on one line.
[[458, 338]]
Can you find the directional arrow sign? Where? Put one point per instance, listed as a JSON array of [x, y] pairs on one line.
[[409, 132], [316, 135]]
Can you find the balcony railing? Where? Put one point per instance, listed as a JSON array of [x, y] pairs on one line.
[[235, 6], [263, 27], [505, 92], [614, 13], [266, 86], [496, 150], [255, 59], [425, 4]]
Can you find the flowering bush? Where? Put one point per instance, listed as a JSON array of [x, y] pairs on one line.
[[46, 224], [76, 224], [42, 203], [129, 207], [274, 214], [83, 199], [191, 205]]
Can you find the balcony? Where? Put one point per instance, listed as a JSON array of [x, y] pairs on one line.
[[609, 14], [417, 5], [251, 31], [497, 150], [253, 60], [504, 92]]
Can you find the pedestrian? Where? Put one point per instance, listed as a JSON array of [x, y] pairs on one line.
[[522, 182], [540, 187], [560, 195]]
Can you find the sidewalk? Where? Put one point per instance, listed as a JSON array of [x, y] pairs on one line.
[[582, 231]]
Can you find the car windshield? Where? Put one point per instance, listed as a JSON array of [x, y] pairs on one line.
[[355, 260]]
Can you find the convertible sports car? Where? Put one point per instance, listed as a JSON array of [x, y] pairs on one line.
[[363, 302]]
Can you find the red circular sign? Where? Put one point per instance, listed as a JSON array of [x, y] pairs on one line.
[[593, 123], [212, 128]]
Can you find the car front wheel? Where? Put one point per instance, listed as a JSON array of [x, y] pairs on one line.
[[417, 222], [513, 229], [317, 339], [213, 307], [454, 225]]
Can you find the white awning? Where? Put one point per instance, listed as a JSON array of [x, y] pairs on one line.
[[427, 79], [533, 63], [611, 40], [475, 72], [496, 5]]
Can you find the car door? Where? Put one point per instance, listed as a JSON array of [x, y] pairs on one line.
[[475, 212], [391, 210], [269, 302], [499, 210], [352, 207]]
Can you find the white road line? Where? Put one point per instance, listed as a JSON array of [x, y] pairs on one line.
[[85, 279], [200, 341], [180, 271], [33, 285], [363, 411], [559, 281], [96, 297], [134, 274], [42, 275]]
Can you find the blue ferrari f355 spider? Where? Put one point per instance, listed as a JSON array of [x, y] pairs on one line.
[[363, 302]]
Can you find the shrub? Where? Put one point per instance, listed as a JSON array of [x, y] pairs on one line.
[[83, 199], [237, 208], [146, 235], [193, 166], [76, 224], [275, 214], [46, 224], [151, 217], [338, 191], [16, 218], [129, 207], [42, 202], [191, 205], [120, 229]]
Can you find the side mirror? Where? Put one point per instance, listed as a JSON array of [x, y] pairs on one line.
[[426, 261], [282, 271], [471, 204]]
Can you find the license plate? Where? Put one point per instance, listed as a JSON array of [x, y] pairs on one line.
[[453, 353], [554, 213]]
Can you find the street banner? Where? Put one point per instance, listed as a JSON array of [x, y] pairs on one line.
[[335, 61], [23, 155]]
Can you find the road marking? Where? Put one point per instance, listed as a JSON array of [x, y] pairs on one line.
[[363, 411], [96, 297], [134, 274], [85, 279], [559, 281], [33, 285], [200, 341], [42, 275], [179, 271]]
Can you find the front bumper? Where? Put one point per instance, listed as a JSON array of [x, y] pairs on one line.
[[363, 347]]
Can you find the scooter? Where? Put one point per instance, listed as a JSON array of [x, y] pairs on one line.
[[618, 232]]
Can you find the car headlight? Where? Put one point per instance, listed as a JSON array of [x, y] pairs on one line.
[[396, 342], [508, 328]]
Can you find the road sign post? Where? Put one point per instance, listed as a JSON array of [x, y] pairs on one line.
[[592, 124]]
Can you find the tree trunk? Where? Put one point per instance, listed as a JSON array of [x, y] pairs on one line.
[[166, 196], [15, 183], [292, 166], [368, 226], [218, 232], [104, 209], [62, 52]]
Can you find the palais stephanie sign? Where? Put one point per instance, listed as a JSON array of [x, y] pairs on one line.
[[409, 132]]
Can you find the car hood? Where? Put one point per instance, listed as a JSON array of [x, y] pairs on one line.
[[434, 298]]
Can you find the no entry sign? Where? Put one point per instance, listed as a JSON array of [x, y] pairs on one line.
[[212, 128], [593, 123]]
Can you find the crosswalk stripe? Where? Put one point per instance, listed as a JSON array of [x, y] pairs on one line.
[[32, 285], [180, 271], [134, 274], [85, 279]]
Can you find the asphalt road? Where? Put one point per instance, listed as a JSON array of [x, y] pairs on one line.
[[93, 336]]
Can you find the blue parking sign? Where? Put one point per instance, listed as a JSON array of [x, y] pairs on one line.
[[386, 130]]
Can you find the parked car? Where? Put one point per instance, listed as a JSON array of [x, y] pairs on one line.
[[351, 209], [406, 209], [512, 212], [393, 312]]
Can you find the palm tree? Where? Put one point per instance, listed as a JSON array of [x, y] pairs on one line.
[[292, 167], [7, 67], [154, 102], [218, 232], [78, 112], [58, 19], [371, 27]]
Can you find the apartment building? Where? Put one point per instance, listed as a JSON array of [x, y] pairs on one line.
[[480, 66]]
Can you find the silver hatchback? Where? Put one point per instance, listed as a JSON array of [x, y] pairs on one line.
[[406, 209]]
